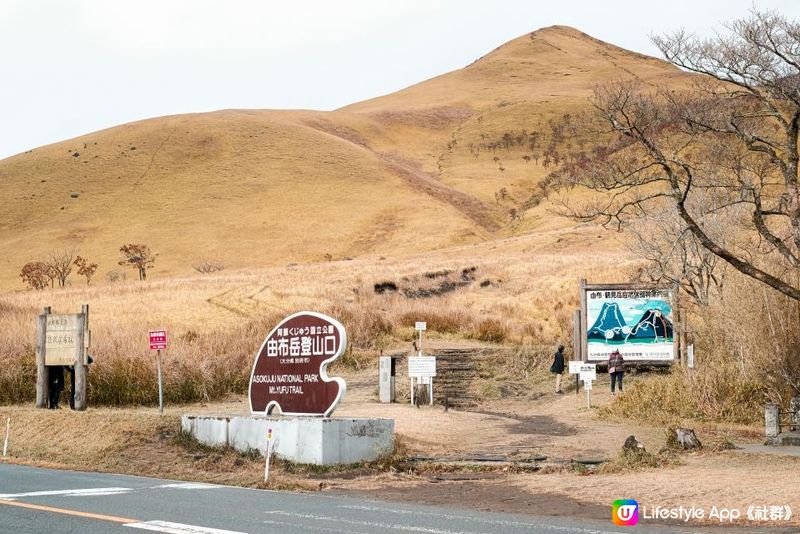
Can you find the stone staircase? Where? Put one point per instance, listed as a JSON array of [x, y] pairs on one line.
[[457, 374]]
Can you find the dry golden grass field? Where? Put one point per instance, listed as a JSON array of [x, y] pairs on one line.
[[432, 191], [391, 176]]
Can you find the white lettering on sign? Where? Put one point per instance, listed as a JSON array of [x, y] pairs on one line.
[[158, 339], [419, 366], [305, 345]]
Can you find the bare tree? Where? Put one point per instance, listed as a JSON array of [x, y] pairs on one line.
[[728, 146], [60, 265], [674, 256], [138, 256]]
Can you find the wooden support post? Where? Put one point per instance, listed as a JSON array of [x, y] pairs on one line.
[[677, 326], [80, 359], [584, 311], [684, 339], [577, 342], [42, 389]]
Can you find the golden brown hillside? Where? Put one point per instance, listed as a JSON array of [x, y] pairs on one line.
[[422, 169]]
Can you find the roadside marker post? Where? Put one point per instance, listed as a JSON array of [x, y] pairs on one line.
[[8, 430], [158, 342], [587, 385], [268, 454]]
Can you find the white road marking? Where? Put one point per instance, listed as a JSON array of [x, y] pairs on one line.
[[334, 519], [188, 485], [308, 527], [178, 528], [435, 514], [86, 492], [470, 519]]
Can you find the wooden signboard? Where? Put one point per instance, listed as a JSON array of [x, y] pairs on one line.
[[290, 370], [62, 340]]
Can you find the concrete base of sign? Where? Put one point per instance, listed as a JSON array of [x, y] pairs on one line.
[[308, 440]]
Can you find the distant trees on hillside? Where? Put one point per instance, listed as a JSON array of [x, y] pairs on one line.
[[56, 267], [138, 256], [36, 275], [60, 263], [725, 149], [85, 268]]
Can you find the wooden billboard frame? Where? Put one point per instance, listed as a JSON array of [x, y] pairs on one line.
[[80, 364]]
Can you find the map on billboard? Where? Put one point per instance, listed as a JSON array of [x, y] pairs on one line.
[[637, 322]]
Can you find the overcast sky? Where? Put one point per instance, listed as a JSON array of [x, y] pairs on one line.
[[72, 67]]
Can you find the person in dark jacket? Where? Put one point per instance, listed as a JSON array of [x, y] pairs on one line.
[[55, 385], [616, 369], [558, 367]]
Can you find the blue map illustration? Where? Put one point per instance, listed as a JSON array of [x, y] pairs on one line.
[[631, 321]]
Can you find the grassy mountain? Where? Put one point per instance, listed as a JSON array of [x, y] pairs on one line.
[[435, 165]]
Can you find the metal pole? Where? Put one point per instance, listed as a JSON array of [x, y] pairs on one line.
[[160, 387]]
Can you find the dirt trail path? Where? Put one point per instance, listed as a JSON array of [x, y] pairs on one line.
[[480, 213]]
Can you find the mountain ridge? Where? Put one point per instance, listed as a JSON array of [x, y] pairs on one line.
[[402, 173]]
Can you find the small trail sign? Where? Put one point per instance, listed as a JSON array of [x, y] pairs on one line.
[[422, 366], [158, 340], [587, 371]]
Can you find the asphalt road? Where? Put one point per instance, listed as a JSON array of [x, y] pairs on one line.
[[34, 500]]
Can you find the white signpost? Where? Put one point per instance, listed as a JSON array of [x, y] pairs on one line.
[[422, 369], [587, 372], [690, 355]]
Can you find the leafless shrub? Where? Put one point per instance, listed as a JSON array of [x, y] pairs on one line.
[[207, 266], [115, 276]]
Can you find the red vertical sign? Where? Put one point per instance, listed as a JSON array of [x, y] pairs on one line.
[[158, 340]]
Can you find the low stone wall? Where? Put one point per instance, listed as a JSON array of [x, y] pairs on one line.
[[310, 440]]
